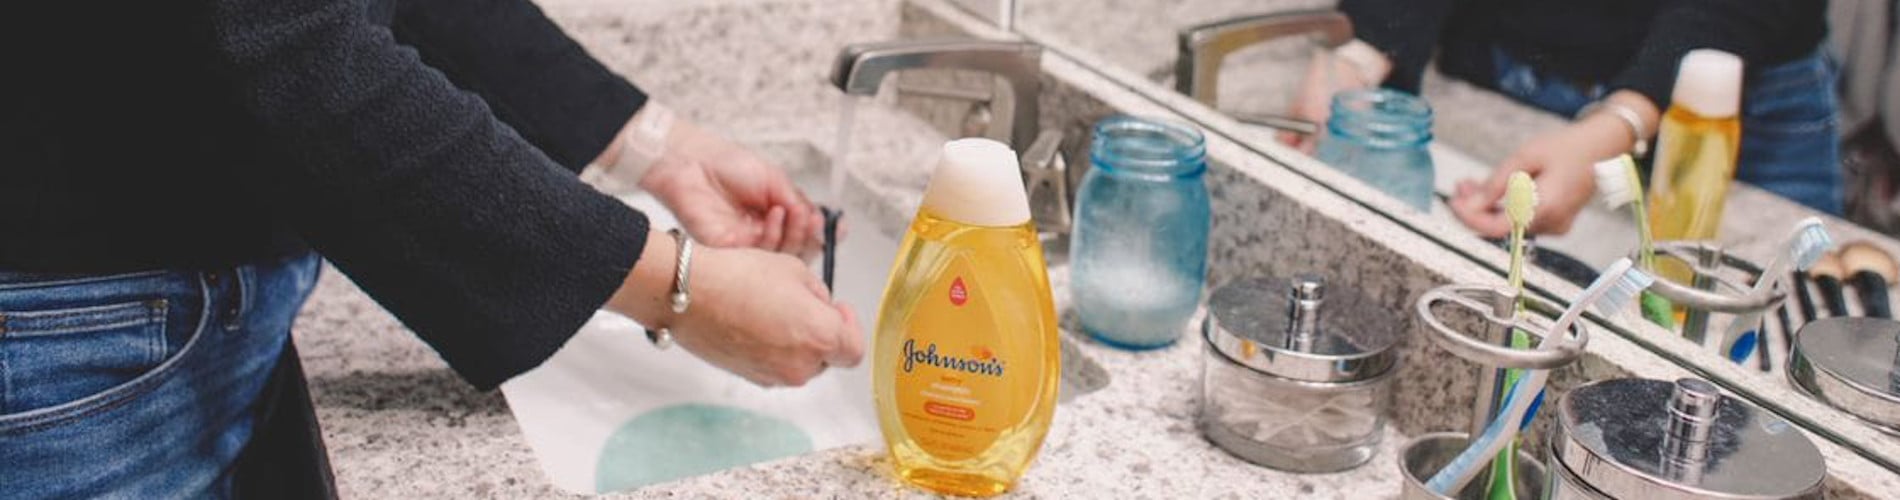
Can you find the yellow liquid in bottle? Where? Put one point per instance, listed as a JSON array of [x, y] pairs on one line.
[[1695, 162], [966, 360]]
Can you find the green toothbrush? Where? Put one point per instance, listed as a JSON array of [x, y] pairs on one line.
[[1620, 184], [1520, 204]]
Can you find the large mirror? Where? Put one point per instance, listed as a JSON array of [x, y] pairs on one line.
[[1501, 86]]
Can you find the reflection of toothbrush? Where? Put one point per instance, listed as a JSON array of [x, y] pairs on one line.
[[1805, 245], [1616, 287], [1621, 184], [1520, 205]]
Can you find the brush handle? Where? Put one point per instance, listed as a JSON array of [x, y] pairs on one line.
[[1832, 295], [831, 243], [1873, 294], [1770, 343], [1801, 298]]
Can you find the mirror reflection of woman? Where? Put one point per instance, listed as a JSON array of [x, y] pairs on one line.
[[1611, 64]]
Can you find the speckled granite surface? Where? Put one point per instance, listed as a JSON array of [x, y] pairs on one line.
[[400, 425]]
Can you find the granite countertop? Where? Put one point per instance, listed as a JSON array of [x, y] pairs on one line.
[[398, 423]]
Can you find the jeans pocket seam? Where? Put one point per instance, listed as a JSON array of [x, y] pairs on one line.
[[113, 397], [80, 280], [54, 332]]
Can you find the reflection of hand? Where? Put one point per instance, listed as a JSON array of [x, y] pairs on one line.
[[1330, 72], [760, 315], [726, 196], [1561, 162]]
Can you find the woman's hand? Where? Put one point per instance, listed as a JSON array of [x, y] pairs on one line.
[[761, 315], [1353, 66], [767, 318], [1562, 163], [727, 196]]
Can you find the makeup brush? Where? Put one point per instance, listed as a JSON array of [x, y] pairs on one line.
[[1870, 269], [1799, 287], [1827, 276]]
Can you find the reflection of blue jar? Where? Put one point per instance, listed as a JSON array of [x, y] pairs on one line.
[[1138, 253], [1379, 136]]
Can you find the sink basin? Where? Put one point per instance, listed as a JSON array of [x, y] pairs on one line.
[[610, 412]]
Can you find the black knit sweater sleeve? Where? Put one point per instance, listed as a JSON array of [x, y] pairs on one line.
[[1405, 30], [486, 248], [535, 78], [1759, 31]]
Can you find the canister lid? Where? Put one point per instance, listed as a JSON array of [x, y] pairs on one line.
[[1850, 363], [1651, 439], [1301, 330]]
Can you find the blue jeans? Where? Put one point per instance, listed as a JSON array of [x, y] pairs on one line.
[[138, 385], [1790, 145]]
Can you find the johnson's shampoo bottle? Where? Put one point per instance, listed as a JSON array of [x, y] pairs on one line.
[[966, 360]]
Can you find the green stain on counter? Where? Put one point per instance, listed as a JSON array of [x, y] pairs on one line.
[[691, 439]]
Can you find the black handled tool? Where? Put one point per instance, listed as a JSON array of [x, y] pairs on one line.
[[1870, 269], [831, 242], [1799, 287], [1827, 277]]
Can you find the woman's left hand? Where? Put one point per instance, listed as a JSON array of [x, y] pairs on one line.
[[726, 196], [1561, 161]]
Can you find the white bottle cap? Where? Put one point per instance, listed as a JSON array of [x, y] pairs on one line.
[[978, 182], [1709, 83]]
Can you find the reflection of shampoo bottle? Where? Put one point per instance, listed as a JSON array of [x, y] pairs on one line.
[[965, 354], [1696, 148]]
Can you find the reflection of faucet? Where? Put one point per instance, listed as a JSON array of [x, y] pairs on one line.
[[860, 69], [1203, 48]]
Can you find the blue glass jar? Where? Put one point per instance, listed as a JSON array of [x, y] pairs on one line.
[[1379, 136], [1138, 252]]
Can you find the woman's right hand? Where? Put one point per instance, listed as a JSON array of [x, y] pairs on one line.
[[766, 317], [761, 315]]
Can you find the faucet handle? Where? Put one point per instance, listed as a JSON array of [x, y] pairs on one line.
[[1045, 177], [1201, 49]]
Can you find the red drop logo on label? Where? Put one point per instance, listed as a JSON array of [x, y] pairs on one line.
[[959, 294]]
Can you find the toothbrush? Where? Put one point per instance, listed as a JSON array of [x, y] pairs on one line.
[[1621, 185], [1805, 245], [1520, 205], [1618, 286]]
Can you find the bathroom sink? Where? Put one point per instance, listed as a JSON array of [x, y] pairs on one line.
[[610, 412]]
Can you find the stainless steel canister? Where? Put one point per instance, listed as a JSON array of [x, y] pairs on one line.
[[1287, 385], [1652, 439], [1850, 363]]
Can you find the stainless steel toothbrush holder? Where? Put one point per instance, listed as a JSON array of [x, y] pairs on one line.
[[1481, 334], [1711, 291]]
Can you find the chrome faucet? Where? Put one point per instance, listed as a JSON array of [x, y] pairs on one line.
[[1202, 49], [861, 68]]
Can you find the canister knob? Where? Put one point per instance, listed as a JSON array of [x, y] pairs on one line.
[[1276, 326]]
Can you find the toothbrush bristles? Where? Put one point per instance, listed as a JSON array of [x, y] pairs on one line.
[[1623, 292], [1614, 183], [1811, 241]]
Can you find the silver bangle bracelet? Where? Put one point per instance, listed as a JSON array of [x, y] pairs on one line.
[[1638, 134], [680, 298]]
